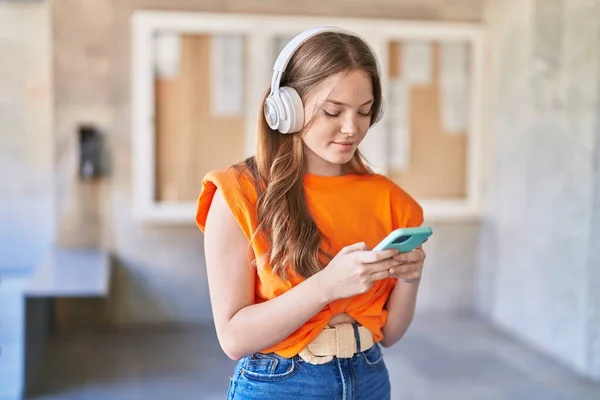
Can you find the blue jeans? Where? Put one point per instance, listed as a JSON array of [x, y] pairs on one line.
[[270, 376]]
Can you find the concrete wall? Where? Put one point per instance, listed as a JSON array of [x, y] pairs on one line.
[[538, 270], [26, 143]]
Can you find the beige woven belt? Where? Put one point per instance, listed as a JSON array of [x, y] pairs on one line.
[[338, 341]]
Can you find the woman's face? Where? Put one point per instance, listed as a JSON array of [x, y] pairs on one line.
[[339, 112]]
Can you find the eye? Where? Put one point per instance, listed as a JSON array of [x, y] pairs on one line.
[[366, 113], [331, 115]]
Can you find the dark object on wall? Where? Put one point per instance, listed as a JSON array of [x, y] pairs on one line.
[[92, 153]]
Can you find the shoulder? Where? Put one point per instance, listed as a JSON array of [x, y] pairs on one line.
[[402, 204], [234, 177], [235, 186]]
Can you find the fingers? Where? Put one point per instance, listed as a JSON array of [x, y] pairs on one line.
[[383, 265], [377, 276], [406, 271], [361, 246], [400, 271], [369, 257], [414, 256]]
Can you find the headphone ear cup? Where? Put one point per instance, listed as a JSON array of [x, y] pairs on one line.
[[271, 112], [294, 110]]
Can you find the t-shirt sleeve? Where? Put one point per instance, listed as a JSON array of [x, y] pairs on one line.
[[406, 211], [234, 190]]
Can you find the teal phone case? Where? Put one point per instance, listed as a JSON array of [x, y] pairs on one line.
[[405, 239]]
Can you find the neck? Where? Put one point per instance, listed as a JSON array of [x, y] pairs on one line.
[[324, 170]]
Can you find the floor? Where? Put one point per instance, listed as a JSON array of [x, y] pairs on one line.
[[442, 357]]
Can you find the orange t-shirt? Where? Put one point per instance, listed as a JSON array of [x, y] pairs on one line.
[[347, 209]]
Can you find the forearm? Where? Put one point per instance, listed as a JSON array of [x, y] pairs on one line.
[[401, 309], [263, 325]]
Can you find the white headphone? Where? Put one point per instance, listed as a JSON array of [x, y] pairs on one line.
[[283, 108]]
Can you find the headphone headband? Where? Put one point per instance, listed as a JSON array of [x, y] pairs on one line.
[[288, 51]]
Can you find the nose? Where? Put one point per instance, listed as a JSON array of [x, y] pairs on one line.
[[349, 125]]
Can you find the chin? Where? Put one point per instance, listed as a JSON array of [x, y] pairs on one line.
[[340, 159]]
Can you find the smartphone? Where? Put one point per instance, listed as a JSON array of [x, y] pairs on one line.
[[405, 239]]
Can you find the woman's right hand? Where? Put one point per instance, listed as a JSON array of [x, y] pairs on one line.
[[354, 269]]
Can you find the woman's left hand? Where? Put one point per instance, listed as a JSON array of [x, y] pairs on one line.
[[412, 265]]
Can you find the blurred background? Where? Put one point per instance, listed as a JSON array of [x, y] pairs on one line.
[[112, 111]]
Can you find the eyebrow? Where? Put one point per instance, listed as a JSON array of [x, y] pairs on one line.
[[339, 103]]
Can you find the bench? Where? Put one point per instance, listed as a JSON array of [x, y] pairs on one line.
[[26, 300]]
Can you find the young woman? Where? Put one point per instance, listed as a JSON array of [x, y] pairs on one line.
[[297, 296]]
